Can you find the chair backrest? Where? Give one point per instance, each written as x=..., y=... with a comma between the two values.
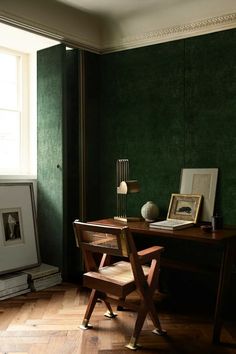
x=95, y=238
x=109, y=241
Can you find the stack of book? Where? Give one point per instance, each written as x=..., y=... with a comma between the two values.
x=171, y=224
x=13, y=284
x=44, y=276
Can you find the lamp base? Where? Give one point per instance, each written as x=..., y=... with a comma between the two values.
x=127, y=218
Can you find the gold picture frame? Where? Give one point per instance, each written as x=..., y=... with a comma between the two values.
x=184, y=207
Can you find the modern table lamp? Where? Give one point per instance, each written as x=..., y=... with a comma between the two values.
x=125, y=186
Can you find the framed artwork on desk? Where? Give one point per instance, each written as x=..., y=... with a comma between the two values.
x=201, y=181
x=184, y=207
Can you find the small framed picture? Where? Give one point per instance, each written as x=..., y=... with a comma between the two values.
x=18, y=232
x=184, y=207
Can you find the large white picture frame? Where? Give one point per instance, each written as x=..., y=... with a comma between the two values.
x=18, y=232
x=201, y=181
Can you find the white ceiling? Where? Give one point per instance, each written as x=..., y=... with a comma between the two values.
x=107, y=25
x=118, y=9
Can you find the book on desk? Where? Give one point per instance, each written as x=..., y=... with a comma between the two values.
x=171, y=224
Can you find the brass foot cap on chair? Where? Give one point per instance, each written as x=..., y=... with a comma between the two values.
x=133, y=346
x=110, y=314
x=85, y=325
x=159, y=332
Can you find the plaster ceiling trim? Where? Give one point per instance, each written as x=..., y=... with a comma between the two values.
x=196, y=28
x=77, y=40
x=208, y=25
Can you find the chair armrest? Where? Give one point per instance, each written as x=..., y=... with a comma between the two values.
x=150, y=253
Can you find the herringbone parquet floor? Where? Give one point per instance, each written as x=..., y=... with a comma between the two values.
x=47, y=322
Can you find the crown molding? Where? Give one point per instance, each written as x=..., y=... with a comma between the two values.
x=76, y=40
x=82, y=40
x=196, y=28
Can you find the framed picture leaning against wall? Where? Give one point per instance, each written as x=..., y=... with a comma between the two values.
x=18, y=231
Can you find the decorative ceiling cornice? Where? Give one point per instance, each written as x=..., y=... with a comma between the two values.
x=83, y=38
x=209, y=25
x=77, y=40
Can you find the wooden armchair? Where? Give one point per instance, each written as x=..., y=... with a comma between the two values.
x=112, y=281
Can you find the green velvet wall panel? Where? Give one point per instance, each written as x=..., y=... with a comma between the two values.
x=142, y=119
x=58, y=157
x=165, y=107
x=92, y=107
x=50, y=66
x=72, y=264
x=210, y=112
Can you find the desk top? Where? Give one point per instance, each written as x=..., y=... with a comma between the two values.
x=192, y=233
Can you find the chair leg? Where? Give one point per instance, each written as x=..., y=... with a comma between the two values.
x=155, y=319
x=142, y=313
x=147, y=307
x=91, y=304
x=109, y=313
x=147, y=298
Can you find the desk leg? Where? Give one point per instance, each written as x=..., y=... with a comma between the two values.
x=223, y=286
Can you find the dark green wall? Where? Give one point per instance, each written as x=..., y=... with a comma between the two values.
x=50, y=103
x=211, y=112
x=165, y=107
x=92, y=89
x=58, y=75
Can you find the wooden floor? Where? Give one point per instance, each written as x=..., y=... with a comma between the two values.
x=47, y=322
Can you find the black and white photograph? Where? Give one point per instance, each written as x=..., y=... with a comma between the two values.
x=12, y=225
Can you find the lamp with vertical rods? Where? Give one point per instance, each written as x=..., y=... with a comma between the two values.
x=125, y=186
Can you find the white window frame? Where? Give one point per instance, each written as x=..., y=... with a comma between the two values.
x=27, y=166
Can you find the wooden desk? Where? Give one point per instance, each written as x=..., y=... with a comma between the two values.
x=225, y=238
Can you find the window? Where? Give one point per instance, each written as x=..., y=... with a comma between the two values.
x=15, y=127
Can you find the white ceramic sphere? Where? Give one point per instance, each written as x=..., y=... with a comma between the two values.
x=150, y=211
